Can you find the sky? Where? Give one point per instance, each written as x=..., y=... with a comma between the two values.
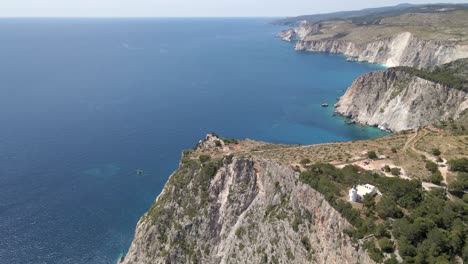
x=186, y=8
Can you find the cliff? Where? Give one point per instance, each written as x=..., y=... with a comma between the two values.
x=240, y=209
x=403, y=49
x=397, y=100
x=418, y=40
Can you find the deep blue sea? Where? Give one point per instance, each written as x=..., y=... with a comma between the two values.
x=86, y=102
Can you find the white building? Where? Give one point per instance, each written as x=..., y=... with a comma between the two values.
x=356, y=194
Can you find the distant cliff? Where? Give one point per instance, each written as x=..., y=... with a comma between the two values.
x=398, y=100
x=416, y=40
x=403, y=49
x=240, y=209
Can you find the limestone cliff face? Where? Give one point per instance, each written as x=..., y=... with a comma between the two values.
x=248, y=211
x=304, y=28
x=395, y=100
x=403, y=49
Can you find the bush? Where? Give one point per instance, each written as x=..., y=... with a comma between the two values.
x=204, y=158
x=304, y=162
x=394, y=150
x=458, y=165
x=386, y=245
x=369, y=201
x=436, y=152
x=387, y=168
x=372, y=155
x=431, y=166
x=395, y=171
x=436, y=177
x=387, y=207
x=392, y=260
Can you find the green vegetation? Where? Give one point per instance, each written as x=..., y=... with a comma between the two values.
x=426, y=227
x=204, y=158
x=431, y=166
x=452, y=74
x=229, y=141
x=436, y=152
x=459, y=165
x=460, y=184
x=437, y=177
x=372, y=155
x=386, y=245
x=395, y=171
x=304, y=162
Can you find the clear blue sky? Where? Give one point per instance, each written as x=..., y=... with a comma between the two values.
x=184, y=8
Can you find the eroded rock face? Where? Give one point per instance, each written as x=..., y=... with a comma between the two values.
x=304, y=28
x=403, y=49
x=255, y=211
x=395, y=100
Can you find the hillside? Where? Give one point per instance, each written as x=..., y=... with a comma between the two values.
x=370, y=15
x=404, y=98
x=419, y=40
x=253, y=202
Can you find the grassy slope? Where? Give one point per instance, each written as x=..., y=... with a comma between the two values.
x=453, y=74
x=441, y=26
x=369, y=15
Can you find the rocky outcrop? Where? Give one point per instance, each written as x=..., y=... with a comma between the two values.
x=395, y=100
x=403, y=49
x=246, y=211
x=304, y=28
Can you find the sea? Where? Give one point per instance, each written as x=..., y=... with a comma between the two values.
x=85, y=103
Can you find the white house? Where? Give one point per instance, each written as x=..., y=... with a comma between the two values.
x=356, y=194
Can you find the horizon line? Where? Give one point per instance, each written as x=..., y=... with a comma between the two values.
x=144, y=17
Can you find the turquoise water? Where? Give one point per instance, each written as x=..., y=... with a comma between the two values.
x=86, y=102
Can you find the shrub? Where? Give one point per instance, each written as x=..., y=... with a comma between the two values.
x=372, y=155
x=431, y=166
x=387, y=168
x=395, y=171
x=435, y=152
x=386, y=245
x=306, y=243
x=304, y=162
x=387, y=207
x=436, y=177
x=369, y=201
x=392, y=260
x=204, y=158
x=394, y=150
x=458, y=164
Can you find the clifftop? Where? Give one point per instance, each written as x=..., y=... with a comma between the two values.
x=410, y=39
x=245, y=201
x=405, y=98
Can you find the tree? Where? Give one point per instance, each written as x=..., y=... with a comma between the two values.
x=387, y=207
x=386, y=245
x=372, y=155
x=458, y=165
x=436, y=152
x=392, y=260
x=387, y=168
x=436, y=177
x=395, y=171
x=369, y=201
x=305, y=162
x=204, y=158
x=431, y=166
